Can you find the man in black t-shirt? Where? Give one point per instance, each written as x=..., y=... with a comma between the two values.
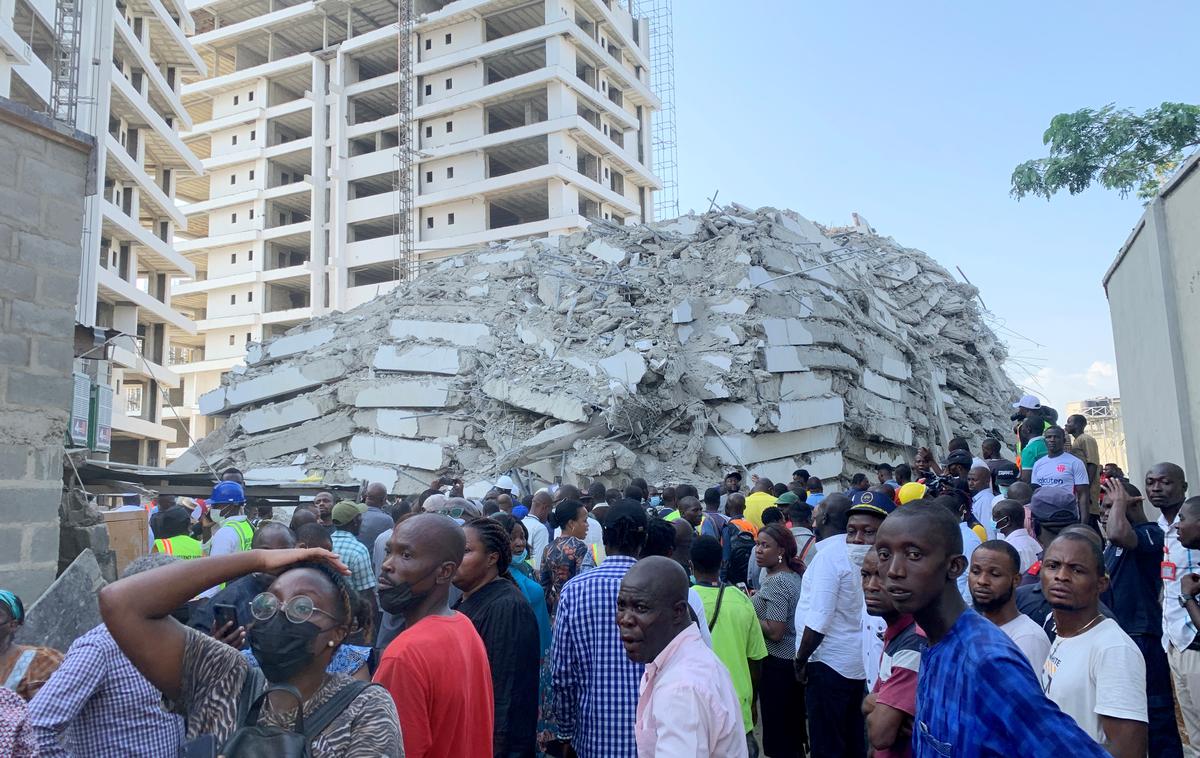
x=1004, y=471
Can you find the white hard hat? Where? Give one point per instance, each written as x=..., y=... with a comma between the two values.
x=505, y=482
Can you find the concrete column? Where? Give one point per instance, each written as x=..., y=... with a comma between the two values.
x=320, y=251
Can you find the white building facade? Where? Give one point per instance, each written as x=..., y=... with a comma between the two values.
x=134, y=56
x=529, y=118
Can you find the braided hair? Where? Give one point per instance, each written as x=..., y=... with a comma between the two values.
x=495, y=539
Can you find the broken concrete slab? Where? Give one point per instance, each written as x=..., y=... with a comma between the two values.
x=804, y=384
x=683, y=313
x=559, y=405
x=287, y=413
x=747, y=449
x=806, y=414
x=418, y=359
x=404, y=393
x=626, y=368
x=281, y=380
x=463, y=335
x=371, y=447
x=68, y=608
x=315, y=432
x=786, y=331
x=606, y=251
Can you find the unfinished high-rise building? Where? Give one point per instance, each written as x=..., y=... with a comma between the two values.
x=113, y=69
x=512, y=118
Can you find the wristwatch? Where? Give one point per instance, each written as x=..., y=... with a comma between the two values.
x=1185, y=599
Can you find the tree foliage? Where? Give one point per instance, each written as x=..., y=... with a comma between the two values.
x=1118, y=148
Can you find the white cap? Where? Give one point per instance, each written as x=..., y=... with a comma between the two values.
x=1029, y=402
x=505, y=482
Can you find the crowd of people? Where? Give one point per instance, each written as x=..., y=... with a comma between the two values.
x=972, y=605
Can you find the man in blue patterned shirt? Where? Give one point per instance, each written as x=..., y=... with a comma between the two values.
x=595, y=685
x=977, y=695
x=98, y=704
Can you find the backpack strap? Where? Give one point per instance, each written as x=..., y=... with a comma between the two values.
x=256, y=708
x=252, y=686
x=717, y=610
x=807, y=546
x=323, y=716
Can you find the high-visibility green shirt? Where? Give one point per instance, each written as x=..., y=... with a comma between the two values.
x=182, y=546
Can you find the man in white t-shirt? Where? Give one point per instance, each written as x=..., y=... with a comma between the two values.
x=993, y=577
x=1094, y=672
x=1061, y=469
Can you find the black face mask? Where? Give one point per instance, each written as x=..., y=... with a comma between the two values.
x=400, y=598
x=281, y=647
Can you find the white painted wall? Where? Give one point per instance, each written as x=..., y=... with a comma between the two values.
x=463, y=35
x=1156, y=330
x=469, y=216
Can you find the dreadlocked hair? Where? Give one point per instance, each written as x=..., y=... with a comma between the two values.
x=495, y=540
x=352, y=610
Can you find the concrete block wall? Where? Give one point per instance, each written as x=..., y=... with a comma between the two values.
x=43, y=180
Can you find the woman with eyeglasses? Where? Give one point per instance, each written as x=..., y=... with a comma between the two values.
x=299, y=622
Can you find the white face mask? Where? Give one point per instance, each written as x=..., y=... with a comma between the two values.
x=215, y=515
x=858, y=553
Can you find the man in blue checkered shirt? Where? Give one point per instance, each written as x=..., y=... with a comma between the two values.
x=98, y=704
x=595, y=685
x=977, y=695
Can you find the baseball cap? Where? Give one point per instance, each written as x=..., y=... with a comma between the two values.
x=734, y=475
x=345, y=511
x=520, y=512
x=1054, y=506
x=959, y=457
x=911, y=491
x=787, y=498
x=871, y=503
x=1029, y=402
x=1007, y=477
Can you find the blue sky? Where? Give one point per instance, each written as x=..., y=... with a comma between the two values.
x=914, y=114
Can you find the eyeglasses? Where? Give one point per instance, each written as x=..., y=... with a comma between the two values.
x=298, y=609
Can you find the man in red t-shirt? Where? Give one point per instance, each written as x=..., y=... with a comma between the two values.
x=437, y=668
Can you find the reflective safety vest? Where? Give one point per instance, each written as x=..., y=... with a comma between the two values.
x=181, y=547
x=245, y=532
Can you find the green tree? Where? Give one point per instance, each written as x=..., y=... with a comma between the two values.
x=1118, y=148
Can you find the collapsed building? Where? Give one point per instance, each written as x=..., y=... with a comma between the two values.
x=736, y=339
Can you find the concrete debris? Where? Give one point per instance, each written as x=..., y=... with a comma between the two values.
x=70, y=607
x=673, y=350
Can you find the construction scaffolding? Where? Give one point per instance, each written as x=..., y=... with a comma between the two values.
x=406, y=154
x=664, y=139
x=64, y=77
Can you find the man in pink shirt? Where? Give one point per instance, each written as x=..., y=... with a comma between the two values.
x=686, y=702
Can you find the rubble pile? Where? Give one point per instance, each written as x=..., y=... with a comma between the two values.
x=674, y=350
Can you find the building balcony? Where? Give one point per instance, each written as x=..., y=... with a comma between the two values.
x=204, y=244
x=134, y=363
x=153, y=200
x=169, y=37
x=136, y=427
x=116, y=290
x=129, y=104
x=119, y=225
x=133, y=46
x=277, y=21
x=207, y=88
